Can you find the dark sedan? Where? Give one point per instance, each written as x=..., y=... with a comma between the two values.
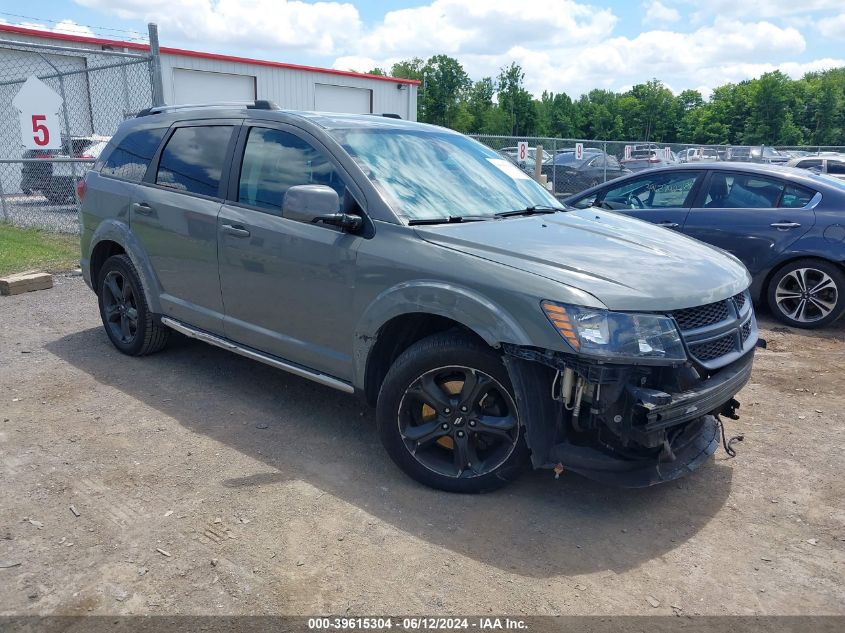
x=569, y=173
x=786, y=225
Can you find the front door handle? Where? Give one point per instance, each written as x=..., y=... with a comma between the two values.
x=784, y=225
x=142, y=208
x=668, y=224
x=235, y=230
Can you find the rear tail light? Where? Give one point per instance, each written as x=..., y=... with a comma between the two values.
x=81, y=189
x=85, y=156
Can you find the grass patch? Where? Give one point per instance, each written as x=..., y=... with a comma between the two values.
x=31, y=249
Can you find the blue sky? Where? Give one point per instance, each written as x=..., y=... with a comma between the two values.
x=563, y=45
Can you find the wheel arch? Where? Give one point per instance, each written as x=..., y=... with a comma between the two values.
x=406, y=313
x=113, y=237
x=763, y=290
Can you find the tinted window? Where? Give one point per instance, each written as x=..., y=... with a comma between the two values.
x=274, y=161
x=835, y=167
x=809, y=163
x=133, y=154
x=192, y=160
x=655, y=191
x=612, y=163
x=742, y=191
x=795, y=197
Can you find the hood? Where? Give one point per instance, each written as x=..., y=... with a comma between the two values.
x=625, y=263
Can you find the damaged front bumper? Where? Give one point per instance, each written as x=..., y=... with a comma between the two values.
x=630, y=426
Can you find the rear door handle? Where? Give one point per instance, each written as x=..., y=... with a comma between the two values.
x=142, y=208
x=235, y=230
x=784, y=225
x=668, y=224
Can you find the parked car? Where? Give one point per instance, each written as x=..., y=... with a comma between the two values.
x=784, y=224
x=647, y=159
x=417, y=268
x=530, y=160
x=570, y=174
x=55, y=180
x=832, y=165
x=698, y=154
x=756, y=154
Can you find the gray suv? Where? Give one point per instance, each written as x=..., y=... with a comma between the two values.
x=488, y=324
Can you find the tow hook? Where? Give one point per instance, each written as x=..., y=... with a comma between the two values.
x=558, y=469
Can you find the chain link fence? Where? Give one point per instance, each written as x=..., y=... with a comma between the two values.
x=99, y=89
x=567, y=173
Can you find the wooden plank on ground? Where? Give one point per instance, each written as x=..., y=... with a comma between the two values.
x=25, y=282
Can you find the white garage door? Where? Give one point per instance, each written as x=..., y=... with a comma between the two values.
x=200, y=86
x=328, y=98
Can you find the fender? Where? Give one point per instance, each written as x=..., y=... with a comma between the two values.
x=458, y=303
x=812, y=247
x=115, y=230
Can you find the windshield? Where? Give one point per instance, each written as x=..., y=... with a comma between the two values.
x=425, y=175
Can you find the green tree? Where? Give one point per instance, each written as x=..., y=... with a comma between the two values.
x=444, y=90
x=515, y=101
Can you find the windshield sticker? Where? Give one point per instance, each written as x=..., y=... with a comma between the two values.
x=509, y=168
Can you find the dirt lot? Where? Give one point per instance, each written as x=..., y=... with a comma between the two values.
x=206, y=483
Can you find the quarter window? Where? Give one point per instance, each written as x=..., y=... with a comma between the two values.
x=192, y=160
x=132, y=156
x=274, y=161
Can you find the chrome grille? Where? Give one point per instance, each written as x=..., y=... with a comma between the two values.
x=711, y=350
x=692, y=318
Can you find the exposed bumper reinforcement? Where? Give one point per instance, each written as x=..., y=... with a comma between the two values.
x=692, y=448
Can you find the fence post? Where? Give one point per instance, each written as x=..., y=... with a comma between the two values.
x=155, y=66
x=604, y=148
x=3, y=200
x=538, y=162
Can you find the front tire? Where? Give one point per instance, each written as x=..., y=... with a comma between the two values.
x=447, y=415
x=807, y=293
x=126, y=316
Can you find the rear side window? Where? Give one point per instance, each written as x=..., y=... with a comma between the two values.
x=810, y=163
x=795, y=197
x=192, y=160
x=274, y=161
x=835, y=167
x=133, y=154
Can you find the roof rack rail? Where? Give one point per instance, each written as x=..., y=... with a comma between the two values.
x=388, y=115
x=258, y=104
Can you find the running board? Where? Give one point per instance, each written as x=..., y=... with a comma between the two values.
x=226, y=344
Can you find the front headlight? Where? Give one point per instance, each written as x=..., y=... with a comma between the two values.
x=616, y=335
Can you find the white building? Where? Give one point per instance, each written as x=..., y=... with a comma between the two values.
x=195, y=77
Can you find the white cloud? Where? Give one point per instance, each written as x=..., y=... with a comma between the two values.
x=562, y=45
x=656, y=11
x=65, y=26
x=832, y=27
x=319, y=28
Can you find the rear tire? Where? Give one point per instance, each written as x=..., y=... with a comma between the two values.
x=447, y=415
x=126, y=316
x=807, y=293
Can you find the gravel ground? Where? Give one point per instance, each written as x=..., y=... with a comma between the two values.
x=209, y=484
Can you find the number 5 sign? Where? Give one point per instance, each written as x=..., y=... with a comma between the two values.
x=39, y=106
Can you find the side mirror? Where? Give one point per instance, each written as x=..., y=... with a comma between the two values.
x=317, y=204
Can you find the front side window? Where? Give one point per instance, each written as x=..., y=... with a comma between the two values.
x=274, y=161
x=192, y=161
x=132, y=156
x=810, y=163
x=656, y=191
x=433, y=175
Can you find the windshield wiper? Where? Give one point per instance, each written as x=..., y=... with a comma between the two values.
x=452, y=219
x=534, y=210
